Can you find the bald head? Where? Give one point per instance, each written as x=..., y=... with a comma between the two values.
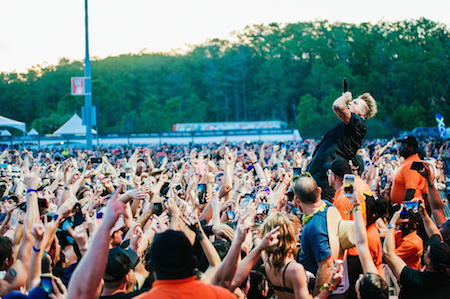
x=306, y=190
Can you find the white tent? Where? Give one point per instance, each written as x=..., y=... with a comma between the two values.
x=33, y=132
x=73, y=126
x=5, y=133
x=11, y=123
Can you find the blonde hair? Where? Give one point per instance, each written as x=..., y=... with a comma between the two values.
x=277, y=254
x=370, y=101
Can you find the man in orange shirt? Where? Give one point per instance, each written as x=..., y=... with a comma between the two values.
x=172, y=261
x=408, y=244
x=376, y=208
x=408, y=183
x=336, y=171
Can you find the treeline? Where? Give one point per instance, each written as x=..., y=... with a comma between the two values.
x=290, y=73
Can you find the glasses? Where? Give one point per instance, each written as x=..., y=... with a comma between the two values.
x=329, y=172
x=304, y=174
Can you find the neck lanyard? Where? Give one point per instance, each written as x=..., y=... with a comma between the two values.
x=306, y=218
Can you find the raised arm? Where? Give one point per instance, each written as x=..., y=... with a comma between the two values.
x=247, y=264
x=394, y=261
x=362, y=244
x=89, y=272
x=340, y=107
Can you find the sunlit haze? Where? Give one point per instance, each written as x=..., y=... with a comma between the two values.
x=42, y=32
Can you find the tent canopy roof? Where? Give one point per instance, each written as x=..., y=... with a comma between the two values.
x=73, y=126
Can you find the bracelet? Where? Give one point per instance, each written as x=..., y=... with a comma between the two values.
x=254, y=162
x=35, y=249
x=11, y=228
x=20, y=222
x=327, y=286
x=238, y=191
x=287, y=184
x=66, y=188
x=390, y=225
x=31, y=190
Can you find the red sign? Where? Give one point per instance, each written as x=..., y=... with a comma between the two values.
x=78, y=86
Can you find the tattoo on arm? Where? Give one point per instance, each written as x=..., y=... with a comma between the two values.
x=12, y=273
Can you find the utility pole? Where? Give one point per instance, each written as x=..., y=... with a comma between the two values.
x=88, y=96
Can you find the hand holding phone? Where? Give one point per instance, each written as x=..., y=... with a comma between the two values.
x=344, y=83
x=349, y=185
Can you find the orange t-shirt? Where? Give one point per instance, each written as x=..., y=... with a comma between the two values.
x=374, y=240
x=409, y=248
x=185, y=288
x=345, y=207
x=407, y=178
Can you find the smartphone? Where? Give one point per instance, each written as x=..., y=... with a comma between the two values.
x=261, y=212
x=349, y=185
x=383, y=181
x=344, y=83
x=201, y=167
x=411, y=206
x=96, y=160
x=46, y=283
x=230, y=215
x=201, y=188
x=122, y=175
x=178, y=188
x=417, y=165
x=297, y=171
x=158, y=208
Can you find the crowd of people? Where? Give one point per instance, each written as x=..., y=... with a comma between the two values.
x=245, y=220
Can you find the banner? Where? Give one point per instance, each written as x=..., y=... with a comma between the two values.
x=441, y=125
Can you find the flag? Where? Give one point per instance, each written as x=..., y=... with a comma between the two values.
x=441, y=125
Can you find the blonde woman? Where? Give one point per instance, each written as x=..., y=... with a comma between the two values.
x=287, y=276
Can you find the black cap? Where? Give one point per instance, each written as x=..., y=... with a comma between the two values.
x=377, y=204
x=171, y=254
x=439, y=252
x=358, y=161
x=410, y=141
x=119, y=264
x=339, y=167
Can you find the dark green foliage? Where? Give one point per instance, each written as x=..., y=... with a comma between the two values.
x=290, y=73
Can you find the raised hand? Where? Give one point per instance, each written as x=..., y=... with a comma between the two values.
x=270, y=239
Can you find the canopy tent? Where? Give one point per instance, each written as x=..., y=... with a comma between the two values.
x=11, y=123
x=72, y=127
x=33, y=132
x=5, y=133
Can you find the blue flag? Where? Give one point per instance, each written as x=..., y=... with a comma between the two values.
x=441, y=125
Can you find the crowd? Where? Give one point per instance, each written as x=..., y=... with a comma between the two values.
x=246, y=220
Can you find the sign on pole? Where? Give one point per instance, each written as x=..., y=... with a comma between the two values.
x=78, y=86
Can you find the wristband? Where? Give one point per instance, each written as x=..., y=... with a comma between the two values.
x=238, y=191
x=35, y=249
x=327, y=286
x=66, y=188
x=390, y=225
x=31, y=190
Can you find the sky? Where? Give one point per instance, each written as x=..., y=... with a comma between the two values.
x=40, y=32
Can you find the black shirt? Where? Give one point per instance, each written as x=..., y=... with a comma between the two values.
x=416, y=284
x=125, y=296
x=341, y=141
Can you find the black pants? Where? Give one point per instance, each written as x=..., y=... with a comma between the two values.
x=322, y=181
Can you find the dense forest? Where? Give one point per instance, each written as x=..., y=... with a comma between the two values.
x=268, y=72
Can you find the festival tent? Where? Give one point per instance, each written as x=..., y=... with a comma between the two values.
x=33, y=132
x=5, y=133
x=11, y=123
x=73, y=126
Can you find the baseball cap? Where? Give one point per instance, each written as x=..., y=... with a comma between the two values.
x=376, y=203
x=439, y=252
x=339, y=167
x=171, y=254
x=119, y=263
x=410, y=141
